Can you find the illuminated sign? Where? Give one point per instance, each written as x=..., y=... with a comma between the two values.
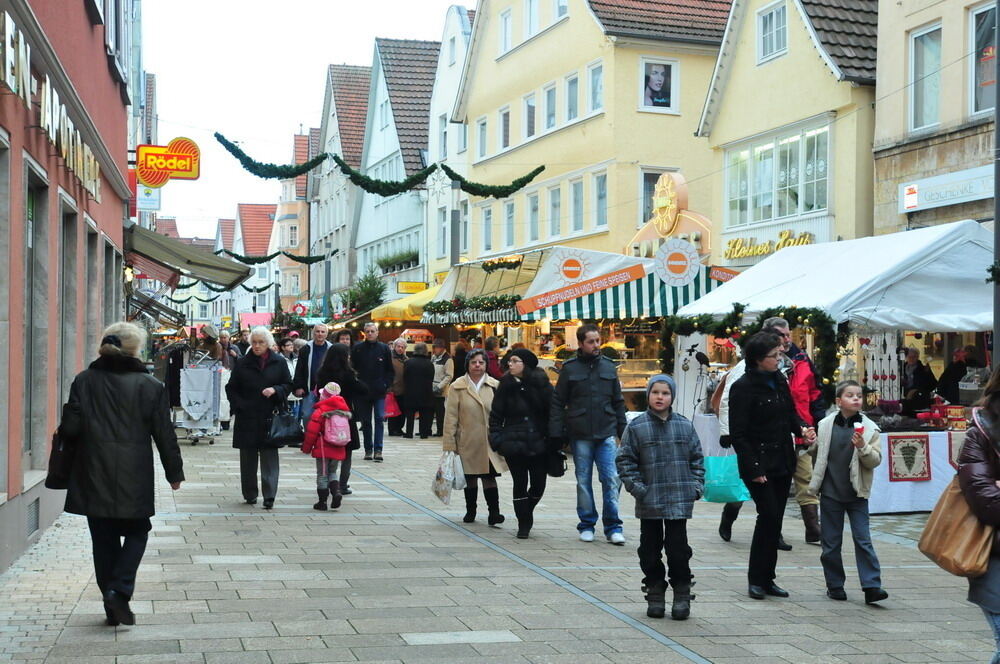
x=410, y=287
x=677, y=263
x=156, y=164
x=750, y=248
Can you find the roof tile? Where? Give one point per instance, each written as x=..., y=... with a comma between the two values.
x=409, y=67
x=848, y=32
x=301, y=156
x=701, y=21
x=167, y=226
x=256, y=221
x=350, y=86
x=228, y=228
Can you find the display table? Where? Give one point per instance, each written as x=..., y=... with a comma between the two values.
x=916, y=467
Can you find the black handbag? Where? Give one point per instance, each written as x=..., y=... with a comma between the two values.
x=285, y=428
x=555, y=464
x=61, y=460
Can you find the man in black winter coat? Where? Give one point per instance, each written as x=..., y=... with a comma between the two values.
x=588, y=411
x=418, y=378
x=372, y=359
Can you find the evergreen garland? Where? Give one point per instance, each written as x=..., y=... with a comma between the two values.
x=994, y=272
x=186, y=286
x=259, y=289
x=269, y=171
x=195, y=297
x=383, y=187
x=478, y=303
x=257, y=260
x=215, y=289
x=496, y=191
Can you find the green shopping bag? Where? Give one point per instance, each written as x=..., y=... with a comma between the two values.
x=722, y=480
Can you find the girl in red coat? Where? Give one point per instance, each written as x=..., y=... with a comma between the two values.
x=328, y=455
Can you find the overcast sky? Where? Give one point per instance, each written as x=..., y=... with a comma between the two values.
x=255, y=71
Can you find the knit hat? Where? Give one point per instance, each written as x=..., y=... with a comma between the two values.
x=661, y=378
x=526, y=356
x=331, y=389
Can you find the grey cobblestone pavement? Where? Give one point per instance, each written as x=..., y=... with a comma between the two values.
x=394, y=576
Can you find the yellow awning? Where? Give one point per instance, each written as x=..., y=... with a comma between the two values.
x=410, y=307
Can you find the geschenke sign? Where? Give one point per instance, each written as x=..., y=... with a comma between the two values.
x=750, y=248
x=973, y=184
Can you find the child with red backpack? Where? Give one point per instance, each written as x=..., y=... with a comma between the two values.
x=328, y=434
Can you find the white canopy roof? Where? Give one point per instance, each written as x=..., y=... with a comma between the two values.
x=932, y=280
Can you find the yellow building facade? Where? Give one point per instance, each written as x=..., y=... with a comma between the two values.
x=605, y=100
x=789, y=119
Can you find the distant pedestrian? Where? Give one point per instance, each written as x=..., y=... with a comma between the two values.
x=372, y=359
x=230, y=352
x=309, y=361
x=461, y=350
x=661, y=464
x=519, y=431
x=398, y=388
x=418, y=377
x=286, y=347
x=337, y=368
x=244, y=342
x=115, y=407
x=444, y=374
x=492, y=346
x=328, y=451
x=588, y=411
x=344, y=336
x=466, y=432
x=847, y=453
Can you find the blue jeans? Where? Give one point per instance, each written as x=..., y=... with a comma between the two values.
x=585, y=454
x=994, y=621
x=306, y=406
x=832, y=535
x=368, y=409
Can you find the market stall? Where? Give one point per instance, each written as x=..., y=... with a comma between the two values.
x=931, y=280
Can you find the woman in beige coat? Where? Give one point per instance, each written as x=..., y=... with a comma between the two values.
x=466, y=432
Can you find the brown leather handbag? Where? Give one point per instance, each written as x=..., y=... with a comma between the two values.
x=954, y=537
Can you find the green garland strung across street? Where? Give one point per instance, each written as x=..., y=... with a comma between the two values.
x=186, y=286
x=269, y=171
x=195, y=297
x=496, y=191
x=257, y=260
x=259, y=289
x=383, y=187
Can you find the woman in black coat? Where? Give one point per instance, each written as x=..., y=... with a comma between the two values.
x=115, y=407
x=518, y=422
x=260, y=383
x=337, y=368
x=418, y=384
x=762, y=423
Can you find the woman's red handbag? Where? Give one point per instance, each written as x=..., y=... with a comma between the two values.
x=392, y=408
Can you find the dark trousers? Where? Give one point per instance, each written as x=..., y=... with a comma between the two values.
x=395, y=424
x=668, y=536
x=116, y=562
x=345, y=469
x=770, y=498
x=528, y=475
x=832, y=526
x=426, y=420
x=268, y=472
x=371, y=414
x=438, y=416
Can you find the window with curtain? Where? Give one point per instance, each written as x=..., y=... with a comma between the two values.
x=555, y=211
x=572, y=98
x=925, y=78
x=508, y=223
x=772, y=32
x=601, y=200
x=984, y=23
x=533, y=217
x=576, y=193
x=487, y=229
x=596, y=97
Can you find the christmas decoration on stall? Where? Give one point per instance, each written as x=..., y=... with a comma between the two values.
x=727, y=327
x=383, y=187
x=269, y=171
x=502, y=263
x=496, y=191
x=477, y=303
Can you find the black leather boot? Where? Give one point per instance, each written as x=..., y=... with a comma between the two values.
x=681, y=608
x=335, y=496
x=493, y=504
x=471, y=497
x=522, y=509
x=323, y=495
x=656, y=602
x=729, y=513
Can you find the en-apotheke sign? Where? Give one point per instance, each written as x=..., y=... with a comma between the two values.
x=973, y=184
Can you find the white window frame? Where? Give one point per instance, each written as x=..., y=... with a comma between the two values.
x=506, y=31
x=262, y=300
x=759, y=36
x=643, y=199
x=383, y=110
x=463, y=137
x=463, y=220
x=556, y=6
x=591, y=107
x=533, y=203
x=912, y=111
x=530, y=117
x=973, y=13
x=451, y=51
x=573, y=77
x=509, y=223
x=486, y=214
x=443, y=137
x=442, y=234
x=550, y=106
x=576, y=209
x=531, y=19
x=503, y=112
x=293, y=235
x=482, y=144
x=555, y=220
x=675, y=85
x=296, y=283
x=595, y=194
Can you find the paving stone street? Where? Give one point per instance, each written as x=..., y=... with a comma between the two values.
x=395, y=576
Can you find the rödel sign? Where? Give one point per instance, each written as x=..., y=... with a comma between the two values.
x=180, y=159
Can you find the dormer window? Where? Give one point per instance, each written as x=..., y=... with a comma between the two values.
x=772, y=32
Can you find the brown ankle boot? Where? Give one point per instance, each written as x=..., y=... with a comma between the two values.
x=810, y=517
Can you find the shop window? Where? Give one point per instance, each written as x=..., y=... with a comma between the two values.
x=533, y=217
x=555, y=211
x=772, y=32
x=983, y=77
x=925, y=77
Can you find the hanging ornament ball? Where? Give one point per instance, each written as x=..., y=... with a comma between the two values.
x=839, y=355
x=806, y=321
x=781, y=315
x=729, y=330
x=826, y=381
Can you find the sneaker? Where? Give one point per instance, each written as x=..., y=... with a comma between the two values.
x=368, y=456
x=378, y=456
x=617, y=539
x=586, y=535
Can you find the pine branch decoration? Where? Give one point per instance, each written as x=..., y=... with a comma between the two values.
x=383, y=187
x=269, y=171
x=496, y=191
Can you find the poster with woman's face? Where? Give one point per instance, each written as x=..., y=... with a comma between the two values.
x=656, y=82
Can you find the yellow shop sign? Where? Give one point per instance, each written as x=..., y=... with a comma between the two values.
x=750, y=248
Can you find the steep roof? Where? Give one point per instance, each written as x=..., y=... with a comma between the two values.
x=204, y=244
x=409, y=67
x=701, y=21
x=256, y=220
x=228, y=229
x=167, y=226
x=315, y=138
x=847, y=30
x=350, y=86
x=301, y=156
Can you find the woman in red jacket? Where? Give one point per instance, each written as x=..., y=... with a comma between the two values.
x=328, y=455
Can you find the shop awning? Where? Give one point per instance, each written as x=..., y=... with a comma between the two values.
x=410, y=307
x=165, y=259
x=931, y=280
x=140, y=303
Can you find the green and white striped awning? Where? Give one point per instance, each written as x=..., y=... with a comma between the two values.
x=646, y=297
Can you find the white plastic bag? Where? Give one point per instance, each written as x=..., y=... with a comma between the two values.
x=444, y=478
x=459, y=482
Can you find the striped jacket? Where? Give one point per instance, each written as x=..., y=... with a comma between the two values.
x=662, y=466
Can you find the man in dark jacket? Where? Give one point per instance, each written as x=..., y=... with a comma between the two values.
x=418, y=378
x=307, y=369
x=588, y=410
x=372, y=359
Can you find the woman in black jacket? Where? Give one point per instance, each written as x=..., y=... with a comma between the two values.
x=260, y=383
x=418, y=383
x=518, y=422
x=337, y=368
x=114, y=408
x=762, y=423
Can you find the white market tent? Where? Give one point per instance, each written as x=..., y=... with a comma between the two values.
x=932, y=279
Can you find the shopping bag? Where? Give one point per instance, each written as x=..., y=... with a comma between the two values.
x=392, y=406
x=444, y=478
x=722, y=480
x=954, y=538
x=458, y=483
x=60, y=461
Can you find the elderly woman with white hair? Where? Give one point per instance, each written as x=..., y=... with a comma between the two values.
x=260, y=383
x=115, y=408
